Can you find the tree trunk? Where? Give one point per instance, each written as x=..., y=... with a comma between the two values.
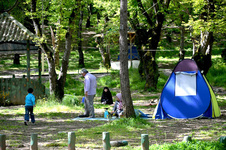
x=64, y=67
x=104, y=54
x=182, y=51
x=16, y=60
x=223, y=55
x=124, y=73
x=148, y=67
x=57, y=48
x=203, y=55
x=151, y=71
x=141, y=38
x=90, y=6
x=46, y=50
x=81, y=56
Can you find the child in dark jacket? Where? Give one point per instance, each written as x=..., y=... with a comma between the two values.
x=29, y=105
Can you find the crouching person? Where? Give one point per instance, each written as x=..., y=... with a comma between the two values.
x=118, y=107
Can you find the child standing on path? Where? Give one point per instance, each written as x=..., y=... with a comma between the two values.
x=29, y=105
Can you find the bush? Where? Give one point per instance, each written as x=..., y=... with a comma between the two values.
x=70, y=100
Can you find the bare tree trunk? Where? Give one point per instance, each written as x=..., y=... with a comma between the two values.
x=11, y=8
x=81, y=56
x=150, y=65
x=16, y=59
x=203, y=55
x=57, y=48
x=124, y=73
x=90, y=7
x=182, y=51
x=141, y=39
x=104, y=54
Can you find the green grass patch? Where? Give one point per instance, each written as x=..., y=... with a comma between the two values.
x=194, y=145
x=122, y=128
x=51, y=106
x=217, y=73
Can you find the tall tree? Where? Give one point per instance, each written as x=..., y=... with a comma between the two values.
x=203, y=52
x=148, y=67
x=205, y=20
x=79, y=35
x=124, y=73
x=57, y=82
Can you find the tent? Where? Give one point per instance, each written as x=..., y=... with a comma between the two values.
x=187, y=94
x=132, y=53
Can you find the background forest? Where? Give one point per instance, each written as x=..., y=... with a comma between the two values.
x=192, y=29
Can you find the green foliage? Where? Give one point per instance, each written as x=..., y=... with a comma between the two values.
x=216, y=74
x=136, y=83
x=162, y=81
x=74, y=86
x=2, y=62
x=213, y=21
x=70, y=100
x=194, y=145
x=111, y=81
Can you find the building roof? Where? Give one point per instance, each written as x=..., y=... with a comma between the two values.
x=13, y=30
x=14, y=36
x=17, y=47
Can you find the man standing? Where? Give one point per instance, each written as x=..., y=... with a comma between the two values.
x=90, y=86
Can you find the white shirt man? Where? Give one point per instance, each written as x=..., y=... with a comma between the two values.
x=90, y=86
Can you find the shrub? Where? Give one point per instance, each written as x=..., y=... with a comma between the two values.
x=70, y=100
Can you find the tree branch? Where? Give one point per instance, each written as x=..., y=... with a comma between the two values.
x=144, y=12
x=10, y=9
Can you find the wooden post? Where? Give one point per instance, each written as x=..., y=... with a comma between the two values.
x=34, y=142
x=106, y=141
x=2, y=142
x=28, y=64
x=71, y=140
x=144, y=142
x=187, y=139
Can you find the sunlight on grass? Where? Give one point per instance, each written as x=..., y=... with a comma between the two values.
x=122, y=129
x=56, y=108
x=14, y=111
x=221, y=99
